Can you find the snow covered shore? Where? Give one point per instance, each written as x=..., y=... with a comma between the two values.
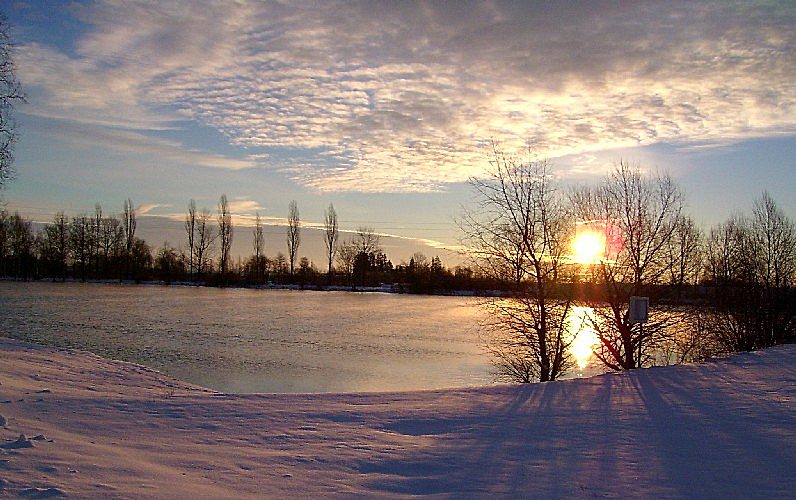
x=101, y=428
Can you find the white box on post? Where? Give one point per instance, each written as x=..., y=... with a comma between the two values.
x=639, y=309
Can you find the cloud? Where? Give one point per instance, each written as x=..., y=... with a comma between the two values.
x=399, y=96
x=127, y=141
x=79, y=89
x=243, y=207
x=145, y=209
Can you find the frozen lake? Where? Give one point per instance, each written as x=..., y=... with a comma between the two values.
x=242, y=341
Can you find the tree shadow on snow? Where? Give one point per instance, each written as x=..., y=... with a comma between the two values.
x=727, y=442
x=526, y=447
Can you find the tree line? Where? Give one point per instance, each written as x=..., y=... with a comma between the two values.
x=81, y=247
x=740, y=273
x=101, y=246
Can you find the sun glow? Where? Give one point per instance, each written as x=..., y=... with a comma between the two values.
x=588, y=247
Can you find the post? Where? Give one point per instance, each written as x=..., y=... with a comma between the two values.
x=638, y=312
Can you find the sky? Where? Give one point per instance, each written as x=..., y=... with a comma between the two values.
x=386, y=109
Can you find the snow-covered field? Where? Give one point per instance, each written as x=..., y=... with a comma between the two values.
x=99, y=428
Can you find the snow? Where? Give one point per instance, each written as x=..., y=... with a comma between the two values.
x=103, y=428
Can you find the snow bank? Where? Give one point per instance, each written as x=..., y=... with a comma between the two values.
x=112, y=429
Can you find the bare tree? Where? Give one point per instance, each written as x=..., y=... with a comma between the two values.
x=224, y=233
x=55, y=241
x=4, y=230
x=640, y=215
x=204, y=239
x=10, y=92
x=519, y=232
x=129, y=223
x=367, y=245
x=258, y=244
x=418, y=260
x=21, y=245
x=774, y=244
x=735, y=319
x=293, y=234
x=330, y=237
x=96, y=238
x=685, y=252
x=112, y=242
x=725, y=252
x=751, y=263
x=80, y=243
x=366, y=241
x=190, y=230
x=346, y=257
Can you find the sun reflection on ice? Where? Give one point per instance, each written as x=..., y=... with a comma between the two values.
x=580, y=327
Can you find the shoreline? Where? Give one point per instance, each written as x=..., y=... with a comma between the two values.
x=391, y=288
x=103, y=428
x=384, y=288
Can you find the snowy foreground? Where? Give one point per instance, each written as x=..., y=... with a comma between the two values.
x=99, y=428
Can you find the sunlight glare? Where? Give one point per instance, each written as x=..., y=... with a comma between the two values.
x=588, y=247
x=585, y=337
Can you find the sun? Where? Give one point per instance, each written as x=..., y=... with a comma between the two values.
x=588, y=247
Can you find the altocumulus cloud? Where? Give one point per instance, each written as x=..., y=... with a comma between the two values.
x=400, y=96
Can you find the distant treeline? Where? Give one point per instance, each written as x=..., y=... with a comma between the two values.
x=714, y=269
x=103, y=246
